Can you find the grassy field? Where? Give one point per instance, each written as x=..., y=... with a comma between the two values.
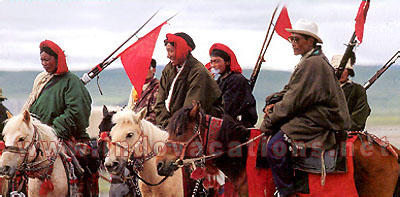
x=383, y=96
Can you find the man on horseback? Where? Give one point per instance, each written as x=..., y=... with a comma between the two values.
x=3, y=114
x=310, y=109
x=60, y=100
x=149, y=95
x=183, y=80
x=356, y=96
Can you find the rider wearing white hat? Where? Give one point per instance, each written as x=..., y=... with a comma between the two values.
x=356, y=96
x=305, y=27
x=311, y=109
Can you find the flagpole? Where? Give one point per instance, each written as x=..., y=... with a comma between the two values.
x=346, y=56
x=358, y=32
x=260, y=60
x=97, y=69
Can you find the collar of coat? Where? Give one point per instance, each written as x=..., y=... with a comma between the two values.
x=313, y=52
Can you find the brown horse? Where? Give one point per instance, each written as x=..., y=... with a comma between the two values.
x=189, y=122
x=376, y=168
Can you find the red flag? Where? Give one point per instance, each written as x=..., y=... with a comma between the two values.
x=360, y=19
x=137, y=58
x=282, y=23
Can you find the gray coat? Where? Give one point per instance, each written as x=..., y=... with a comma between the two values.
x=313, y=105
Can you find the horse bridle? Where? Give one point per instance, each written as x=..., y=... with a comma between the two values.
x=30, y=166
x=196, y=134
x=131, y=161
x=25, y=151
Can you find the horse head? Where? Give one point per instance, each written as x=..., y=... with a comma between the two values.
x=21, y=136
x=124, y=135
x=106, y=123
x=184, y=139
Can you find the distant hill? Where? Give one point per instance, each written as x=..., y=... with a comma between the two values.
x=383, y=96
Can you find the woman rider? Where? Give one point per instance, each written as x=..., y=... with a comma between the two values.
x=239, y=100
x=60, y=100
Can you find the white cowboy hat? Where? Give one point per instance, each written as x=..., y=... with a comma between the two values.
x=305, y=27
x=336, y=62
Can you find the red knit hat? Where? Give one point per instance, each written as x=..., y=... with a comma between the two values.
x=61, y=62
x=181, y=46
x=235, y=67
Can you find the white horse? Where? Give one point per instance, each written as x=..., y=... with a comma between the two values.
x=30, y=143
x=134, y=135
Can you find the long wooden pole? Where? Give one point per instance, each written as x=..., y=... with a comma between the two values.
x=260, y=60
x=97, y=69
x=382, y=70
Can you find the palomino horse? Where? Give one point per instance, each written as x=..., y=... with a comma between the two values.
x=133, y=138
x=29, y=149
x=375, y=169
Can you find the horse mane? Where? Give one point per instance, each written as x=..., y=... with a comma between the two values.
x=47, y=133
x=128, y=116
x=231, y=130
x=180, y=119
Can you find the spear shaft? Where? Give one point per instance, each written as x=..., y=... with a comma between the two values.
x=260, y=60
x=97, y=69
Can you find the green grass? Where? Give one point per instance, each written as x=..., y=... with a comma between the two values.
x=383, y=96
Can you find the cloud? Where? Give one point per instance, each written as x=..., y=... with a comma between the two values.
x=90, y=30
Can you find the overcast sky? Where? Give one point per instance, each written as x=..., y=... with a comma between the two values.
x=89, y=30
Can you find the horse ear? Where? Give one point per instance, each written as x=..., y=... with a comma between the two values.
x=142, y=113
x=27, y=117
x=9, y=115
x=195, y=109
x=105, y=111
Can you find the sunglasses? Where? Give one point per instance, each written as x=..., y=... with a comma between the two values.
x=295, y=39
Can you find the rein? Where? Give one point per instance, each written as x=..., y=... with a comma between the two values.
x=31, y=166
x=32, y=169
x=180, y=162
x=138, y=165
x=215, y=155
x=196, y=134
x=25, y=151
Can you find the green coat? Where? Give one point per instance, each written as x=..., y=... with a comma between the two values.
x=193, y=83
x=313, y=105
x=357, y=103
x=65, y=105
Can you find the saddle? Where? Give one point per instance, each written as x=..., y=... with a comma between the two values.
x=83, y=164
x=310, y=160
x=314, y=160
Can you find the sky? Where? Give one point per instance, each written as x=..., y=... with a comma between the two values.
x=89, y=30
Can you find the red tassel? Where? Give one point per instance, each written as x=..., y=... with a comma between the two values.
x=104, y=136
x=46, y=186
x=198, y=173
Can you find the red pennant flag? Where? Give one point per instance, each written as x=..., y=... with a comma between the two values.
x=136, y=58
x=282, y=23
x=360, y=19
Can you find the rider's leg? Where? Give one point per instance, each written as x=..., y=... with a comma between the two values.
x=278, y=156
